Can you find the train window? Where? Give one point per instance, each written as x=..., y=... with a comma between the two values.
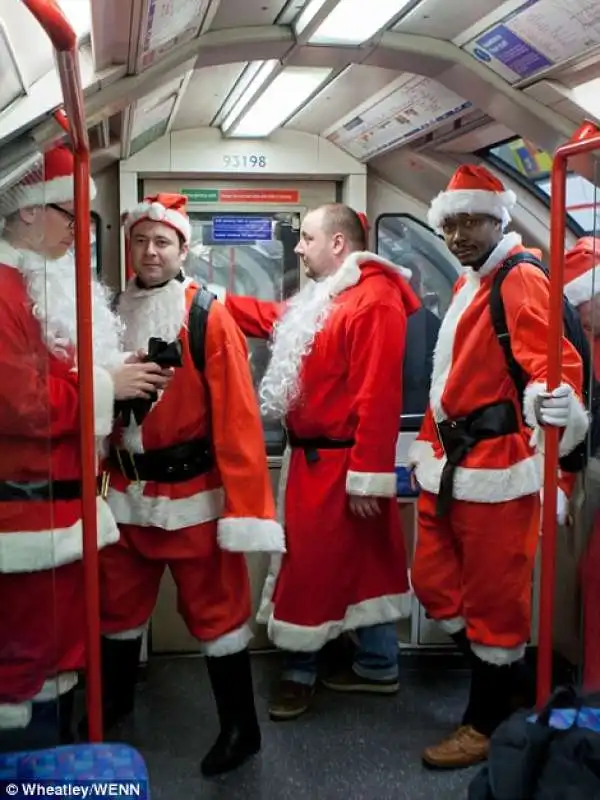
x=531, y=166
x=96, y=234
x=248, y=254
x=404, y=240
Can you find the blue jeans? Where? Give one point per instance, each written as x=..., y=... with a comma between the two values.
x=375, y=659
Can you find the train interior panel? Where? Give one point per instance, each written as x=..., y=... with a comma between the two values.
x=256, y=113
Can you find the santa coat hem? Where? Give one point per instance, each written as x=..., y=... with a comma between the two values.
x=34, y=551
x=311, y=638
x=133, y=507
x=18, y=715
x=481, y=485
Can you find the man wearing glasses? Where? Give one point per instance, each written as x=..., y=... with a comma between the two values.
x=41, y=574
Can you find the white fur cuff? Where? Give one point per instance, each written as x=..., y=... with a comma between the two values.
x=577, y=426
x=371, y=484
x=104, y=398
x=250, y=535
x=14, y=715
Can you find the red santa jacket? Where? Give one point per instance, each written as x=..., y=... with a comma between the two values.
x=470, y=371
x=352, y=379
x=39, y=434
x=223, y=408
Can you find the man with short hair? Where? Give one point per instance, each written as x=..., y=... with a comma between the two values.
x=335, y=377
x=477, y=457
x=42, y=623
x=190, y=487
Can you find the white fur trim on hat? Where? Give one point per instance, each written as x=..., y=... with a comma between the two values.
x=471, y=201
x=582, y=289
x=57, y=190
x=158, y=213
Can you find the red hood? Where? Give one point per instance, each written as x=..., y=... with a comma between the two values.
x=371, y=264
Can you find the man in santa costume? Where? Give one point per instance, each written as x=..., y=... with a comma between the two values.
x=190, y=488
x=42, y=625
x=478, y=460
x=335, y=377
x=582, y=287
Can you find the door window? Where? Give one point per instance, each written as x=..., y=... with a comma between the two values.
x=405, y=241
x=248, y=254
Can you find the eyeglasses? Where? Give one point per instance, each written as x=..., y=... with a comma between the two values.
x=70, y=217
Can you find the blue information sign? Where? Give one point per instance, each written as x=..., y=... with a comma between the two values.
x=236, y=229
x=509, y=49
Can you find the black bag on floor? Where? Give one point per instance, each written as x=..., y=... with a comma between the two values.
x=551, y=756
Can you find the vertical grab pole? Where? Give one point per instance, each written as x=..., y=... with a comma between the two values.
x=56, y=25
x=551, y=434
x=585, y=140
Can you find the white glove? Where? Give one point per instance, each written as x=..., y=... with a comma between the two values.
x=562, y=506
x=553, y=408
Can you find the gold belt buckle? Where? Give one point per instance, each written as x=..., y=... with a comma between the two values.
x=104, y=486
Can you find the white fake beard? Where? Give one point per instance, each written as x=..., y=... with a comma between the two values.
x=293, y=338
x=52, y=289
x=152, y=312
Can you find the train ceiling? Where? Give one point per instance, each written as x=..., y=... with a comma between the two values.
x=406, y=72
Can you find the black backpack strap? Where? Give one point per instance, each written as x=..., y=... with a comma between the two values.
x=198, y=320
x=499, y=317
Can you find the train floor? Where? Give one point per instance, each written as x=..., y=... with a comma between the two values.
x=347, y=747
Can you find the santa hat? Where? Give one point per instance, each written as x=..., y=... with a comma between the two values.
x=472, y=190
x=53, y=183
x=582, y=271
x=170, y=209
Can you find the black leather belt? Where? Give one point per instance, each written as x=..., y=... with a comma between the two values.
x=312, y=446
x=181, y=462
x=459, y=437
x=17, y=491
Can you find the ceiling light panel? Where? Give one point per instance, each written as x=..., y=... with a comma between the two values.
x=348, y=24
x=289, y=91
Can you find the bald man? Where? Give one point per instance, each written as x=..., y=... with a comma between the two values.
x=335, y=380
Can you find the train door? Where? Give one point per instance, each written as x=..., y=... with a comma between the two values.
x=403, y=239
x=248, y=249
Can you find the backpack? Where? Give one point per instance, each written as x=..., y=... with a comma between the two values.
x=551, y=755
x=198, y=320
x=575, y=461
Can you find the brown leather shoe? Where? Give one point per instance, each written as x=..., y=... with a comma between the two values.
x=464, y=748
x=290, y=700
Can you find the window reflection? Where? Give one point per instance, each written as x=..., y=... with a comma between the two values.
x=405, y=241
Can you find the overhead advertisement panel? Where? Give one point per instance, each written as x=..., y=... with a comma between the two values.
x=538, y=35
x=169, y=23
x=403, y=111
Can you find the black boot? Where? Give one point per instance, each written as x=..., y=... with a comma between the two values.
x=231, y=681
x=490, y=696
x=463, y=644
x=120, y=659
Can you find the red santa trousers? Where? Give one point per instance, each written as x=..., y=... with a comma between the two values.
x=473, y=568
x=42, y=629
x=212, y=584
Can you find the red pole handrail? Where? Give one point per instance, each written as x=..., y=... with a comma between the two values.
x=558, y=219
x=64, y=40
